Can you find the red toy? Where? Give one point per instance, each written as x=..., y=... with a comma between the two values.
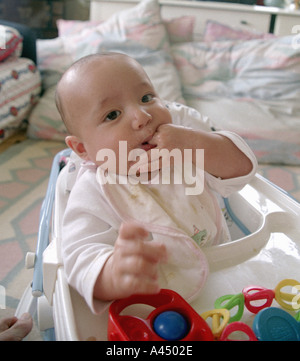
x=131, y=328
x=237, y=326
x=255, y=293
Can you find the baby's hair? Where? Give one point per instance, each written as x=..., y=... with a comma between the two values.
x=77, y=65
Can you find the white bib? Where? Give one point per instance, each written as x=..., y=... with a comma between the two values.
x=155, y=207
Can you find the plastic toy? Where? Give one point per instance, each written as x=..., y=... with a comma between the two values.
x=232, y=301
x=155, y=327
x=268, y=323
x=175, y=320
x=289, y=301
x=237, y=326
x=171, y=326
x=220, y=319
x=254, y=293
x=275, y=324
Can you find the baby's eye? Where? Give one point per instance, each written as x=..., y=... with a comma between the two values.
x=147, y=98
x=113, y=115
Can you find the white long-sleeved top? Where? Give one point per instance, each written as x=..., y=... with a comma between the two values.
x=184, y=223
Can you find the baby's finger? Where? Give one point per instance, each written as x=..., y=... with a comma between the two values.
x=140, y=285
x=7, y=322
x=18, y=330
x=138, y=266
x=132, y=231
x=152, y=251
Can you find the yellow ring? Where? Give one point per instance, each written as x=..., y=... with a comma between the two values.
x=282, y=297
x=216, y=316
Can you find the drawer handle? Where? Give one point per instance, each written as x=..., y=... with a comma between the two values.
x=244, y=22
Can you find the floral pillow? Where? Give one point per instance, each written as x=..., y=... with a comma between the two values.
x=215, y=31
x=52, y=60
x=10, y=42
x=73, y=27
x=255, y=83
x=179, y=29
x=142, y=24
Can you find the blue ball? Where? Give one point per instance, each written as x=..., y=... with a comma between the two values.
x=171, y=326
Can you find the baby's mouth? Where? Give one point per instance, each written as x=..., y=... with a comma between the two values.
x=147, y=146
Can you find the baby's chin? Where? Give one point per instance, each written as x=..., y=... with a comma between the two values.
x=146, y=177
x=144, y=167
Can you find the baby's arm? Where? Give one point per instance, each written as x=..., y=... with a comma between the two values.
x=222, y=158
x=132, y=267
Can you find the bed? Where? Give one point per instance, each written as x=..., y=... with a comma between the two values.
x=245, y=80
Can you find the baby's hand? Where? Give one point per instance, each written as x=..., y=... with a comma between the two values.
x=133, y=266
x=167, y=137
x=170, y=136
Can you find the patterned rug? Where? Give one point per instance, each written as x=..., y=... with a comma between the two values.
x=285, y=177
x=25, y=169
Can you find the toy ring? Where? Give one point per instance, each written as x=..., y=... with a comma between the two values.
x=255, y=293
x=233, y=300
x=237, y=326
x=275, y=324
x=289, y=301
x=216, y=316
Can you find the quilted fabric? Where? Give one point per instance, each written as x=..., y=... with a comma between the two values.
x=10, y=42
x=20, y=88
x=256, y=83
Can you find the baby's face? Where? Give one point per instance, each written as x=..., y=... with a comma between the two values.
x=115, y=101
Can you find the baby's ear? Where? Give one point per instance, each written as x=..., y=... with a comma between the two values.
x=77, y=146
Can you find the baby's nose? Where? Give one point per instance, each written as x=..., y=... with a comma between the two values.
x=140, y=118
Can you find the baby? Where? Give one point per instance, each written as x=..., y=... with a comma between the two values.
x=121, y=238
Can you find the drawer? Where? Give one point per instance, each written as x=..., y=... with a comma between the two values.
x=286, y=24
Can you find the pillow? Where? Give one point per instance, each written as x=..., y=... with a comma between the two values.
x=20, y=86
x=204, y=68
x=215, y=31
x=45, y=121
x=73, y=27
x=255, y=83
x=138, y=31
x=10, y=42
x=266, y=69
x=179, y=29
x=142, y=23
x=52, y=60
x=273, y=137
